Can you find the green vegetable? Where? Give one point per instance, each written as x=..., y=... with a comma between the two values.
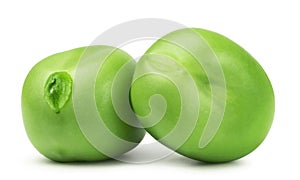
x=52, y=94
x=203, y=96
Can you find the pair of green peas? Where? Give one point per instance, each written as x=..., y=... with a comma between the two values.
x=195, y=91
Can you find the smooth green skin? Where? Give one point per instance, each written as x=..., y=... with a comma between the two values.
x=51, y=126
x=249, y=99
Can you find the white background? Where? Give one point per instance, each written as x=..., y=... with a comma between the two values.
x=269, y=30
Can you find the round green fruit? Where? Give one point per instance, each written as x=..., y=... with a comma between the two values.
x=54, y=97
x=202, y=95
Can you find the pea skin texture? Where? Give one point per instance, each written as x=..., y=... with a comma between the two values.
x=203, y=96
x=49, y=112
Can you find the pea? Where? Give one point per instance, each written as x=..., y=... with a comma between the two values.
x=57, y=113
x=202, y=95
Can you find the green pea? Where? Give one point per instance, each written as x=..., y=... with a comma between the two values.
x=203, y=96
x=57, y=113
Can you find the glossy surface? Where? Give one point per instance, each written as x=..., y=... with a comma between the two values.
x=48, y=106
x=234, y=100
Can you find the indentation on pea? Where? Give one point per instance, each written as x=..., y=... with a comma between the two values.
x=58, y=89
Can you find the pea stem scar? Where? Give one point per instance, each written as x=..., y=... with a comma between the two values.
x=57, y=90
